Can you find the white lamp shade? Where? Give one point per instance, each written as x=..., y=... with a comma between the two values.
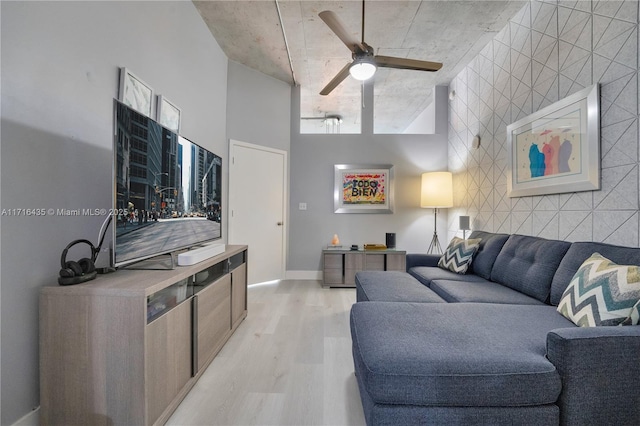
x=437, y=190
x=362, y=70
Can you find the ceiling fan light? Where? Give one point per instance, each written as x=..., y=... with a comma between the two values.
x=362, y=70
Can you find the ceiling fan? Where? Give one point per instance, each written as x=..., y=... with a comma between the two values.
x=365, y=62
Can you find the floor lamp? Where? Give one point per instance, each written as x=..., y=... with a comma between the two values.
x=437, y=193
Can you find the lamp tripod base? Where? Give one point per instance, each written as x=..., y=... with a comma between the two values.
x=434, y=247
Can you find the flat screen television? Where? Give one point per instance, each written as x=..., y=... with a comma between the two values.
x=167, y=190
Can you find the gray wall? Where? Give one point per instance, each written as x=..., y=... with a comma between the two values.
x=59, y=77
x=311, y=181
x=547, y=52
x=258, y=108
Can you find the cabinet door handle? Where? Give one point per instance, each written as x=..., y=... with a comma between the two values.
x=280, y=224
x=194, y=336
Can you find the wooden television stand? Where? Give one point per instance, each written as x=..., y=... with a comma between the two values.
x=126, y=348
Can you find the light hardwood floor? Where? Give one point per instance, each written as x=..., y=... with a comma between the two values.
x=288, y=363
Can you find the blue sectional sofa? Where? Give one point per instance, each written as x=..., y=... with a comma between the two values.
x=432, y=346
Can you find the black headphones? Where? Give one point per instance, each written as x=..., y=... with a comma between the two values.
x=77, y=272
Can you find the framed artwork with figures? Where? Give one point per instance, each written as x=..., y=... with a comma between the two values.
x=556, y=149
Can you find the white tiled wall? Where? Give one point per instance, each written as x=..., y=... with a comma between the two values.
x=548, y=51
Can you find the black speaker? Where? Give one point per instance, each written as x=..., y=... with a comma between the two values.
x=390, y=240
x=83, y=270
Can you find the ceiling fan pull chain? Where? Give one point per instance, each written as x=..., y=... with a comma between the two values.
x=362, y=95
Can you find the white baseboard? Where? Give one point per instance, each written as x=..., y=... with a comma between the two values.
x=303, y=275
x=31, y=419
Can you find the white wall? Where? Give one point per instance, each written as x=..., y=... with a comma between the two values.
x=59, y=76
x=425, y=122
x=434, y=119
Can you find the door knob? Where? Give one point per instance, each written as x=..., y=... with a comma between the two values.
x=280, y=223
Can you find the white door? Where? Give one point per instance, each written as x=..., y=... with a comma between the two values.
x=257, y=201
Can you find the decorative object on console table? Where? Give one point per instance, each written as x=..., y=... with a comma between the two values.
x=373, y=246
x=335, y=243
x=363, y=188
x=390, y=240
x=464, y=226
x=135, y=93
x=556, y=149
x=437, y=193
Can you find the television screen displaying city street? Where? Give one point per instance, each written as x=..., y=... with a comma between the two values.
x=168, y=189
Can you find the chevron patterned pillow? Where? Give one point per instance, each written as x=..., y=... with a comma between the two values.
x=602, y=293
x=459, y=254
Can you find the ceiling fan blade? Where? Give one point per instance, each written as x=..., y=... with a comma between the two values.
x=407, y=64
x=333, y=22
x=344, y=73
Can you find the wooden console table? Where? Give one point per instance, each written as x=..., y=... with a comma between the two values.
x=340, y=266
x=126, y=348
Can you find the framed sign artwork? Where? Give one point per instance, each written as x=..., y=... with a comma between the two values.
x=363, y=188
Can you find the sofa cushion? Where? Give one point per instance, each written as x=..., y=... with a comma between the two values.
x=602, y=293
x=480, y=292
x=578, y=253
x=392, y=286
x=490, y=246
x=455, y=354
x=401, y=415
x=426, y=274
x=528, y=264
x=459, y=255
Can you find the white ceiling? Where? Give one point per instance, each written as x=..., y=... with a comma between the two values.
x=451, y=32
